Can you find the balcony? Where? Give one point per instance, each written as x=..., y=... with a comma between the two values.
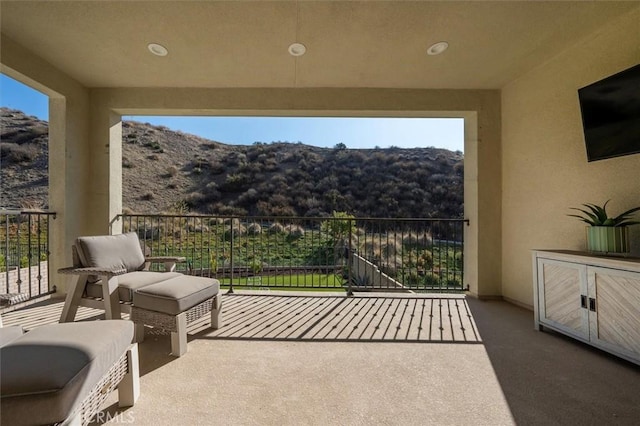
x=325, y=358
x=523, y=161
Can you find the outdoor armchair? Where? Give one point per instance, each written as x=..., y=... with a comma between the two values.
x=112, y=272
x=109, y=269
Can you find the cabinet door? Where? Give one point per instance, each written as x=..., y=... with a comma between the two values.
x=615, y=323
x=560, y=287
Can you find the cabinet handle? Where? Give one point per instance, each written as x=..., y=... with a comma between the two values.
x=592, y=304
x=583, y=301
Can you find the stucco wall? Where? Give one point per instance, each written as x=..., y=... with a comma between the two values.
x=544, y=165
x=368, y=274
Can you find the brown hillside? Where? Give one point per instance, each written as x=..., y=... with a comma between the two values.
x=165, y=170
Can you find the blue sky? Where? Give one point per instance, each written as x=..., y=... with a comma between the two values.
x=16, y=95
x=327, y=132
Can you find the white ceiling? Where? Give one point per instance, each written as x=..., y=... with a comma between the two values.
x=349, y=43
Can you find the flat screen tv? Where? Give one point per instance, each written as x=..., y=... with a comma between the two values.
x=611, y=115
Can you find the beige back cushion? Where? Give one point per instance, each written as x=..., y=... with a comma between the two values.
x=111, y=252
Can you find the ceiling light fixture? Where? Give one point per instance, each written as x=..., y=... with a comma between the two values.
x=157, y=49
x=297, y=49
x=437, y=48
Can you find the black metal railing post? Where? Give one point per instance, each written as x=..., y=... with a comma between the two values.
x=19, y=252
x=349, y=258
x=231, y=264
x=6, y=252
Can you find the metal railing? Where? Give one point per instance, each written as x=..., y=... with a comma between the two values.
x=409, y=254
x=328, y=253
x=24, y=255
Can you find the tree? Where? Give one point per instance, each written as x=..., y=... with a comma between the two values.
x=339, y=226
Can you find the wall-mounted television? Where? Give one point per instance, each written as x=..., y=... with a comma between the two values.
x=611, y=115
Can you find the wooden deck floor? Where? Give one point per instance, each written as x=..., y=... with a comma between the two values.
x=302, y=317
x=374, y=318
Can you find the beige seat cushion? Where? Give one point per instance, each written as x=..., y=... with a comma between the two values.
x=131, y=281
x=175, y=295
x=48, y=371
x=121, y=251
x=9, y=334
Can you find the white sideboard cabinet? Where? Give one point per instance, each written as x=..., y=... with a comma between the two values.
x=595, y=299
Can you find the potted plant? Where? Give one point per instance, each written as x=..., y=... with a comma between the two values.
x=606, y=234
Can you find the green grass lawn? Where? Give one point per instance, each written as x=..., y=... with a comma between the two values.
x=312, y=282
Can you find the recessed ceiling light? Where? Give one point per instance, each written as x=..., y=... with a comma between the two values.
x=157, y=49
x=297, y=49
x=437, y=48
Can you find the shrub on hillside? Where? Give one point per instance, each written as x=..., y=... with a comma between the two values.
x=235, y=182
x=17, y=154
x=294, y=231
x=276, y=228
x=223, y=209
x=236, y=230
x=194, y=199
x=24, y=135
x=215, y=167
x=248, y=197
x=271, y=165
x=171, y=171
x=254, y=228
x=153, y=145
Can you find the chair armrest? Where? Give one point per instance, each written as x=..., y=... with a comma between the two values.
x=164, y=259
x=168, y=261
x=92, y=271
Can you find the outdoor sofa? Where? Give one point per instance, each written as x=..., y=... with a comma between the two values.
x=62, y=373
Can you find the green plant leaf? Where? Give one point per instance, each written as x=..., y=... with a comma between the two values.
x=590, y=222
x=594, y=219
x=600, y=212
x=627, y=223
x=626, y=215
x=596, y=215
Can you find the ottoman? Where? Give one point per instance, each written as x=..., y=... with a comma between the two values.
x=173, y=304
x=62, y=373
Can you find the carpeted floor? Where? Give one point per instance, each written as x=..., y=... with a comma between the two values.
x=239, y=382
x=514, y=376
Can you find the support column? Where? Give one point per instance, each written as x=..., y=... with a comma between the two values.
x=105, y=163
x=68, y=124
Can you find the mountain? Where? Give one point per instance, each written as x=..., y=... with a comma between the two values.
x=166, y=170
x=23, y=160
